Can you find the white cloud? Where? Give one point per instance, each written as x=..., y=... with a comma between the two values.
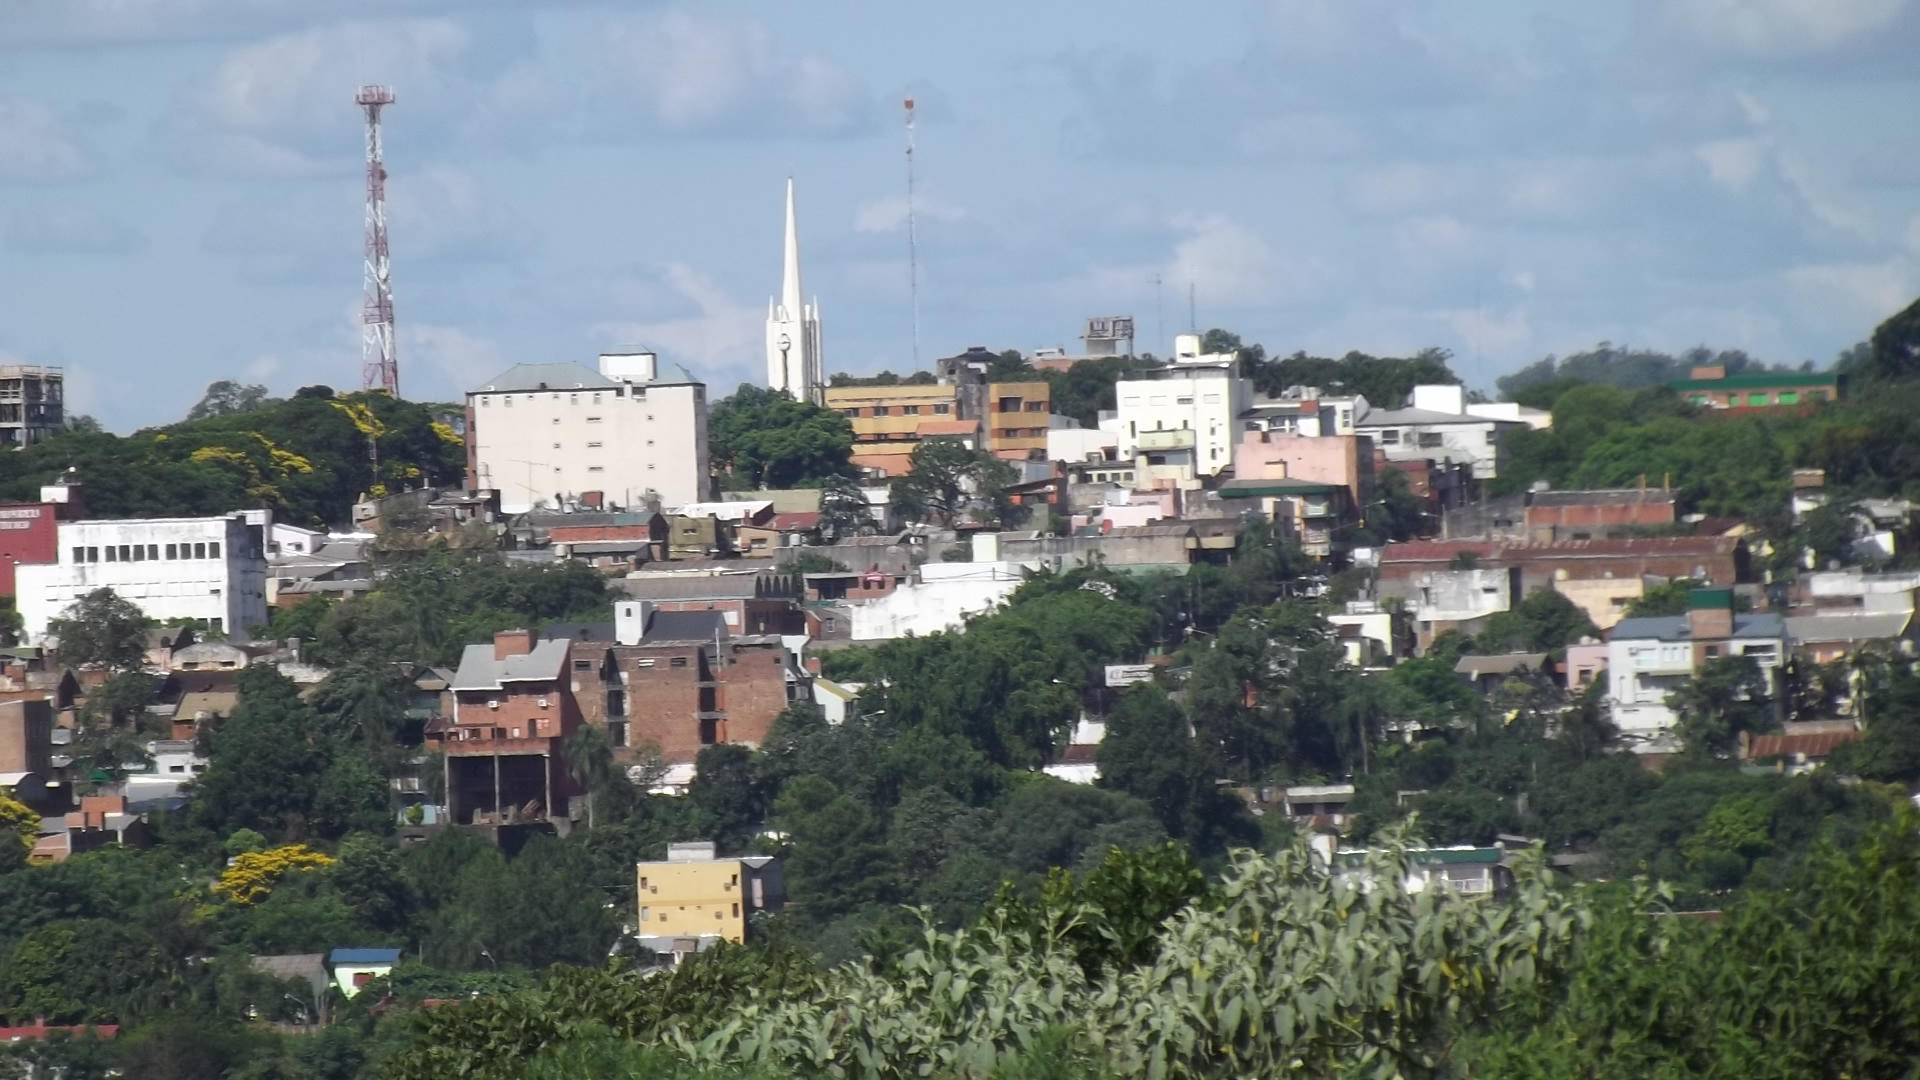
x=1399, y=188
x=684, y=73
x=1854, y=294
x=1913, y=234
x=284, y=106
x=442, y=214
x=1777, y=27
x=71, y=232
x=35, y=146
x=889, y=214
x=95, y=22
x=720, y=339
x=1733, y=163
x=461, y=358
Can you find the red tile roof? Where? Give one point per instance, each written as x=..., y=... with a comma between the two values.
x=1446, y=550
x=798, y=521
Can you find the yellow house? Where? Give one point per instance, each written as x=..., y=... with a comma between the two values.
x=694, y=899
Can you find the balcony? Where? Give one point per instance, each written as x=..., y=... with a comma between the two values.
x=1177, y=439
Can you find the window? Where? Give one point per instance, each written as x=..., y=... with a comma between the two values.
x=1009, y=404
x=485, y=401
x=126, y=553
x=556, y=419
x=1187, y=400
x=79, y=554
x=1036, y=406
x=1390, y=437
x=507, y=401
x=850, y=412
x=595, y=445
x=1712, y=651
x=1131, y=400
x=1789, y=397
x=736, y=911
x=827, y=626
x=1210, y=399
x=113, y=553
x=942, y=408
x=910, y=410
x=596, y=468
x=139, y=553
x=880, y=410
x=556, y=446
x=1429, y=439
x=199, y=551
x=216, y=625
x=583, y=665
x=678, y=661
x=213, y=549
x=593, y=419
x=644, y=662
x=1696, y=399
x=1757, y=399
x=93, y=554
x=173, y=551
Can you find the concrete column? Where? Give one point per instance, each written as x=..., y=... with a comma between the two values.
x=546, y=764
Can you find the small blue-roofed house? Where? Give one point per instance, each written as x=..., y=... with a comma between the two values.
x=354, y=968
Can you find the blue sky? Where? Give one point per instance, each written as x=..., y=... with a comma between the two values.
x=180, y=179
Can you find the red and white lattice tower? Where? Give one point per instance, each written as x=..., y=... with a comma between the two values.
x=380, y=370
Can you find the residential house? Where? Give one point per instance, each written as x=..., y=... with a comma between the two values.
x=1317, y=806
x=1648, y=658
x=513, y=708
x=1309, y=511
x=1488, y=673
x=1304, y=411
x=694, y=900
x=1553, y=516
x=101, y=820
x=1465, y=870
x=1586, y=664
x=749, y=601
x=309, y=969
x=355, y=968
x=941, y=599
x=1461, y=599
x=1371, y=637
x=26, y=751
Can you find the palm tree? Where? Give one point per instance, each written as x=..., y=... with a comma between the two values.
x=589, y=756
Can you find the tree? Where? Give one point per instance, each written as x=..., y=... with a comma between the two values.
x=1662, y=600
x=844, y=509
x=1543, y=621
x=766, y=439
x=226, y=397
x=101, y=628
x=1728, y=695
x=1149, y=753
x=588, y=753
x=86, y=971
x=945, y=478
x=265, y=773
x=837, y=859
x=1895, y=346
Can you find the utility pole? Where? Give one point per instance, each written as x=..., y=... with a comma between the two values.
x=379, y=368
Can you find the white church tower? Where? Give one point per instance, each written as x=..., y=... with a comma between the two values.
x=793, y=328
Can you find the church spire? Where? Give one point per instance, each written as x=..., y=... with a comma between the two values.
x=790, y=276
x=793, y=325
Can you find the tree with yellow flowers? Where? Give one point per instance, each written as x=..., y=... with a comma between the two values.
x=251, y=876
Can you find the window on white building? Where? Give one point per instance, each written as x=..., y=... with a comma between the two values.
x=1429, y=440
x=199, y=551
x=1183, y=401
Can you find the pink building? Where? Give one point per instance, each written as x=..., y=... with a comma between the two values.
x=1342, y=460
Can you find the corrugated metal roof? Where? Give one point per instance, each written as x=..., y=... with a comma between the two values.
x=533, y=377
x=1810, y=746
x=1675, y=628
x=1601, y=497
x=1507, y=664
x=1849, y=626
x=361, y=957
x=693, y=587
x=480, y=671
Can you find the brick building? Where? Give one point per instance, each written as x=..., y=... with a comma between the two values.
x=26, y=749
x=680, y=680
x=1587, y=515
x=1710, y=387
x=513, y=707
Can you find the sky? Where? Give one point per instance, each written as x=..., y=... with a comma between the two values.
x=181, y=180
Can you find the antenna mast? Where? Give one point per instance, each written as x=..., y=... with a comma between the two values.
x=379, y=369
x=913, y=244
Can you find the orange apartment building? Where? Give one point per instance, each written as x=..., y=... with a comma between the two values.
x=1018, y=414
x=889, y=421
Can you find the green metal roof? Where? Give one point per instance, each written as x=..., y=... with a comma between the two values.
x=1250, y=488
x=1710, y=600
x=1771, y=381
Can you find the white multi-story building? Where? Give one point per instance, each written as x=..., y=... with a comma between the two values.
x=1181, y=424
x=549, y=434
x=211, y=570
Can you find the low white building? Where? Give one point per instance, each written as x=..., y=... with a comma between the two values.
x=551, y=433
x=1366, y=634
x=942, y=598
x=1439, y=426
x=210, y=570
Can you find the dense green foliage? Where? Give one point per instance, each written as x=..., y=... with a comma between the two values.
x=1623, y=368
x=765, y=439
x=948, y=482
x=307, y=458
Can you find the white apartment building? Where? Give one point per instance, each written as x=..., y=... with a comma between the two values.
x=211, y=570
x=1648, y=658
x=1181, y=425
x=547, y=434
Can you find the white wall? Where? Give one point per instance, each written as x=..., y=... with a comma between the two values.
x=623, y=441
x=1080, y=444
x=945, y=595
x=1205, y=401
x=227, y=591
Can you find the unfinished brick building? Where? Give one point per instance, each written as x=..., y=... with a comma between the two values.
x=513, y=708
